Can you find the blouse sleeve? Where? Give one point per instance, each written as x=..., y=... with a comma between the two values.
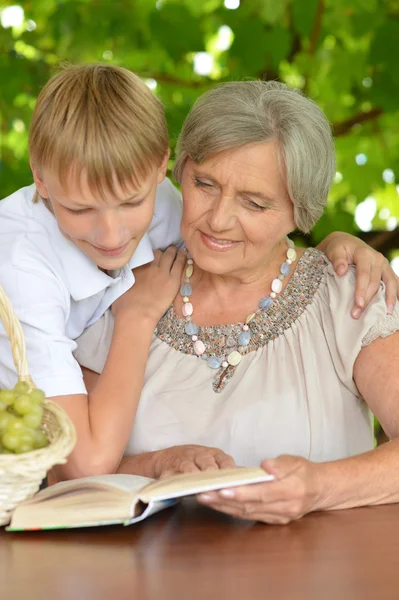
x=345, y=335
x=94, y=343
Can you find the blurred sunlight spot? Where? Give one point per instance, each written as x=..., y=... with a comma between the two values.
x=395, y=264
x=392, y=223
x=367, y=82
x=18, y=125
x=151, y=83
x=12, y=16
x=338, y=177
x=203, y=63
x=329, y=42
x=30, y=25
x=224, y=39
x=365, y=213
x=361, y=159
x=384, y=214
x=388, y=176
x=158, y=4
x=232, y=4
x=108, y=55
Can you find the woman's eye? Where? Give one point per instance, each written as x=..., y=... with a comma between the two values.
x=202, y=184
x=256, y=206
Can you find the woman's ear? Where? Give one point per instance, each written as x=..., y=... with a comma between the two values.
x=163, y=167
x=39, y=183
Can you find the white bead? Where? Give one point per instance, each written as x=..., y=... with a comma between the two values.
x=194, y=338
x=291, y=254
x=199, y=347
x=245, y=327
x=273, y=295
x=186, y=299
x=225, y=364
x=190, y=261
x=277, y=286
x=288, y=261
x=187, y=309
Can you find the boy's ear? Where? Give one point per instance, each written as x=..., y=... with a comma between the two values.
x=39, y=183
x=163, y=167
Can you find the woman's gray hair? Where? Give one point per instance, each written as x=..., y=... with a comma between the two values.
x=244, y=112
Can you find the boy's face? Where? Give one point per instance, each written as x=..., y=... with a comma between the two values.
x=108, y=231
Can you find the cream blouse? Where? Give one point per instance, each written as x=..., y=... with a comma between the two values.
x=293, y=391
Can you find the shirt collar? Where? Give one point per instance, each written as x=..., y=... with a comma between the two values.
x=83, y=277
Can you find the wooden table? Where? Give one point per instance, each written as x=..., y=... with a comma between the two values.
x=189, y=552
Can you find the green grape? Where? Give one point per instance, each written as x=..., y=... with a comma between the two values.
x=7, y=397
x=23, y=404
x=21, y=388
x=34, y=418
x=41, y=440
x=37, y=396
x=11, y=441
x=5, y=419
x=28, y=436
x=21, y=414
x=24, y=447
x=14, y=426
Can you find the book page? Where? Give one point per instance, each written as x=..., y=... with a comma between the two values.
x=125, y=483
x=205, y=481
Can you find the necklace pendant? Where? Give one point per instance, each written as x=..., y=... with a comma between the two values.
x=234, y=358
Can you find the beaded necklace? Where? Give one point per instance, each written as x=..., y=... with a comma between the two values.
x=234, y=347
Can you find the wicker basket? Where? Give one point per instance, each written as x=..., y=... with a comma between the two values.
x=22, y=474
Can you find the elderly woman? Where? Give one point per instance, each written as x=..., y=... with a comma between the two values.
x=258, y=359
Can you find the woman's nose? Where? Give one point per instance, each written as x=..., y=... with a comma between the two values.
x=222, y=216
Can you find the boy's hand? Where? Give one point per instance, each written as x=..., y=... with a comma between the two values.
x=156, y=285
x=342, y=250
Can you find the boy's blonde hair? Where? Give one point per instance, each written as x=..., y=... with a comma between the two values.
x=101, y=119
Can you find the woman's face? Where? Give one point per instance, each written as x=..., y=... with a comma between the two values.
x=236, y=209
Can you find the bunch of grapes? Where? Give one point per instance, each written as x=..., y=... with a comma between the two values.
x=21, y=413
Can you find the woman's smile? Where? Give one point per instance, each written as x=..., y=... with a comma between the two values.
x=218, y=244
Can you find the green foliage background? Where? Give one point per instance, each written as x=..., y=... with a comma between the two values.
x=343, y=53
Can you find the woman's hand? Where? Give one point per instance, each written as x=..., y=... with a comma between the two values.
x=189, y=459
x=292, y=494
x=156, y=285
x=342, y=250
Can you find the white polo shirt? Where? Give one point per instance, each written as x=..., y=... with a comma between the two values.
x=57, y=291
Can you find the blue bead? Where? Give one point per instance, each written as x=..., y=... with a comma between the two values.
x=214, y=362
x=285, y=269
x=265, y=303
x=191, y=328
x=244, y=338
x=186, y=289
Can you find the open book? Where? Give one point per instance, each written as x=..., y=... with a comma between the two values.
x=111, y=499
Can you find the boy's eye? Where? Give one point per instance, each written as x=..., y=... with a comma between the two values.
x=134, y=204
x=80, y=211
